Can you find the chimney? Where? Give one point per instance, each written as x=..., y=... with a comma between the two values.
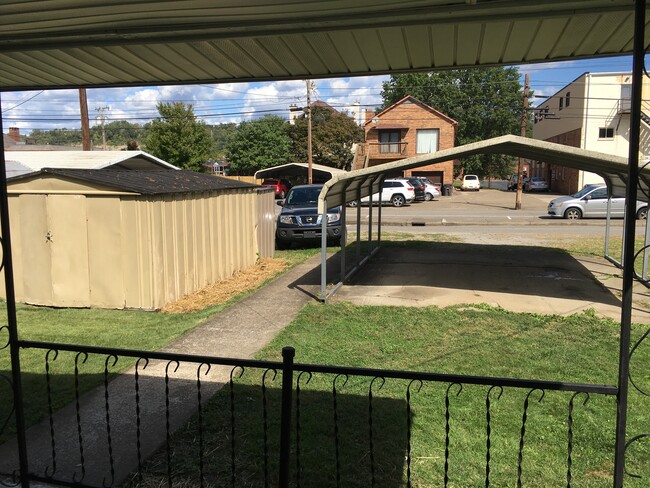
x=14, y=134
x=368, y=115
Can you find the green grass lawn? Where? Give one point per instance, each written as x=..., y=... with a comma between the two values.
x=126, y=329
x=466, y=340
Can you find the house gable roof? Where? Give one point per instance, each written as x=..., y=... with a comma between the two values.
x=421, y=104
x=147, y=182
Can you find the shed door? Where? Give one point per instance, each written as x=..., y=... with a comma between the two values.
x=68, y=244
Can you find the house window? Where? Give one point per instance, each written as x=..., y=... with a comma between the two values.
x=561, y=103
x=567, y=100
x=389, y=141
x=426, y=141
x=606, y=133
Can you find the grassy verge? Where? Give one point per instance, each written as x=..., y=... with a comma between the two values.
x=467, y=340
x=127, y=329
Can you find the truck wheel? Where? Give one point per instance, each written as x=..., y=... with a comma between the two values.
x=281, y=245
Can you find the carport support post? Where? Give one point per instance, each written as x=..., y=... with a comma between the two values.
x=628, y=245
x=359, y=224
x=12, y=321
x=323, y=253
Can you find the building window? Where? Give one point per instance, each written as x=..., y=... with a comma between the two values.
x=606, y=133
x=567, y=100
x=389, y=141
x=426, y=141
x=561, y=103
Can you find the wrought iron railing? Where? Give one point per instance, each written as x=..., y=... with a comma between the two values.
x=256, y=434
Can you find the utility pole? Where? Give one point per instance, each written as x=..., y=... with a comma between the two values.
x=85, y=125
x=524, y=124
x=102, y=118
x=309, y=157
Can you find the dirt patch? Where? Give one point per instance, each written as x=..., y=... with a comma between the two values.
x=222, y=291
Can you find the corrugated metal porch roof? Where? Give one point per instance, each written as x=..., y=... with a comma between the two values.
x=56, y=44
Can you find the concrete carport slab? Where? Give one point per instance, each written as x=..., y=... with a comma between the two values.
x=514, y=277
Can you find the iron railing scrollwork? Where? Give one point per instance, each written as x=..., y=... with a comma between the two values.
x=404, y=389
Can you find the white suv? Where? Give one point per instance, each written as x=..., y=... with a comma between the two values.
x=470, y=182
x=395, y=192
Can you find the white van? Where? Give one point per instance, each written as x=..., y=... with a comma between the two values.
x=470, y=182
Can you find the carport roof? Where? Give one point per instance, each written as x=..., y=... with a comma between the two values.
x=297, y=169
x=94, y=43
x=344, y=188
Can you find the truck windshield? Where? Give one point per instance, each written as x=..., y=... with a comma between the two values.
x=303, y=196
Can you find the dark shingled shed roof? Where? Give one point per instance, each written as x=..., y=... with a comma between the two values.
x=145, y=182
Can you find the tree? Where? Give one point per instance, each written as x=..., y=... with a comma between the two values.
x=486, y=103
x=179, y=138
x=118, y=133
x=221, y=133
x=333, y=134
x=259, y=144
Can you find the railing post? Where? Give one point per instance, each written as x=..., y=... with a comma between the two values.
x=628, y=244
x=288, y=354
x=12, y=322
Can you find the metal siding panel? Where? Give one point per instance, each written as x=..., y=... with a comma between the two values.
x=394, y=47
x=443, y=44
x=36, y=253
x=67, y=222
x=549, y=32
x=497, y=33
x=369, y=42
x=105, y=256
x=283, y=55
x=624, y=36
x=601, y=30
x=130, y=251
x=308, y=56
x=257, y=49
x=418, y=44
x=346, y=45
x=240, y=59
x=469, y=44
x=578, y=28
x=521, y=37
x=16, y=248
x=158, y=242
x=328, y=52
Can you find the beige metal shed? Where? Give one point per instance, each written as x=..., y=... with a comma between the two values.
x=131, y=239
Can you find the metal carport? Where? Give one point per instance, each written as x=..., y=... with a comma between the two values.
x=319, y=172
x=357, y=184
x=104, y=43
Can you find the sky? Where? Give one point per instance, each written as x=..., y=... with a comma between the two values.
x=237, y=102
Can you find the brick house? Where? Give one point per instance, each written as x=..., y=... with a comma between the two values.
x=405, y=129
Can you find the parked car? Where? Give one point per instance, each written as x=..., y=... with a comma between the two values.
x=395, y=191
x=470, y=182
x=299, y=220
x=418, y=187
x=591, y=201
x=280, y=186
x=536, y=184
x=431, y=190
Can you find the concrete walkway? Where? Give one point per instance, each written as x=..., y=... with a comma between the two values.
x=239, y=332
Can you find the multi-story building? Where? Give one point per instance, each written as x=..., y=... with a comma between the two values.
x=592, y=112
x=405, y=129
